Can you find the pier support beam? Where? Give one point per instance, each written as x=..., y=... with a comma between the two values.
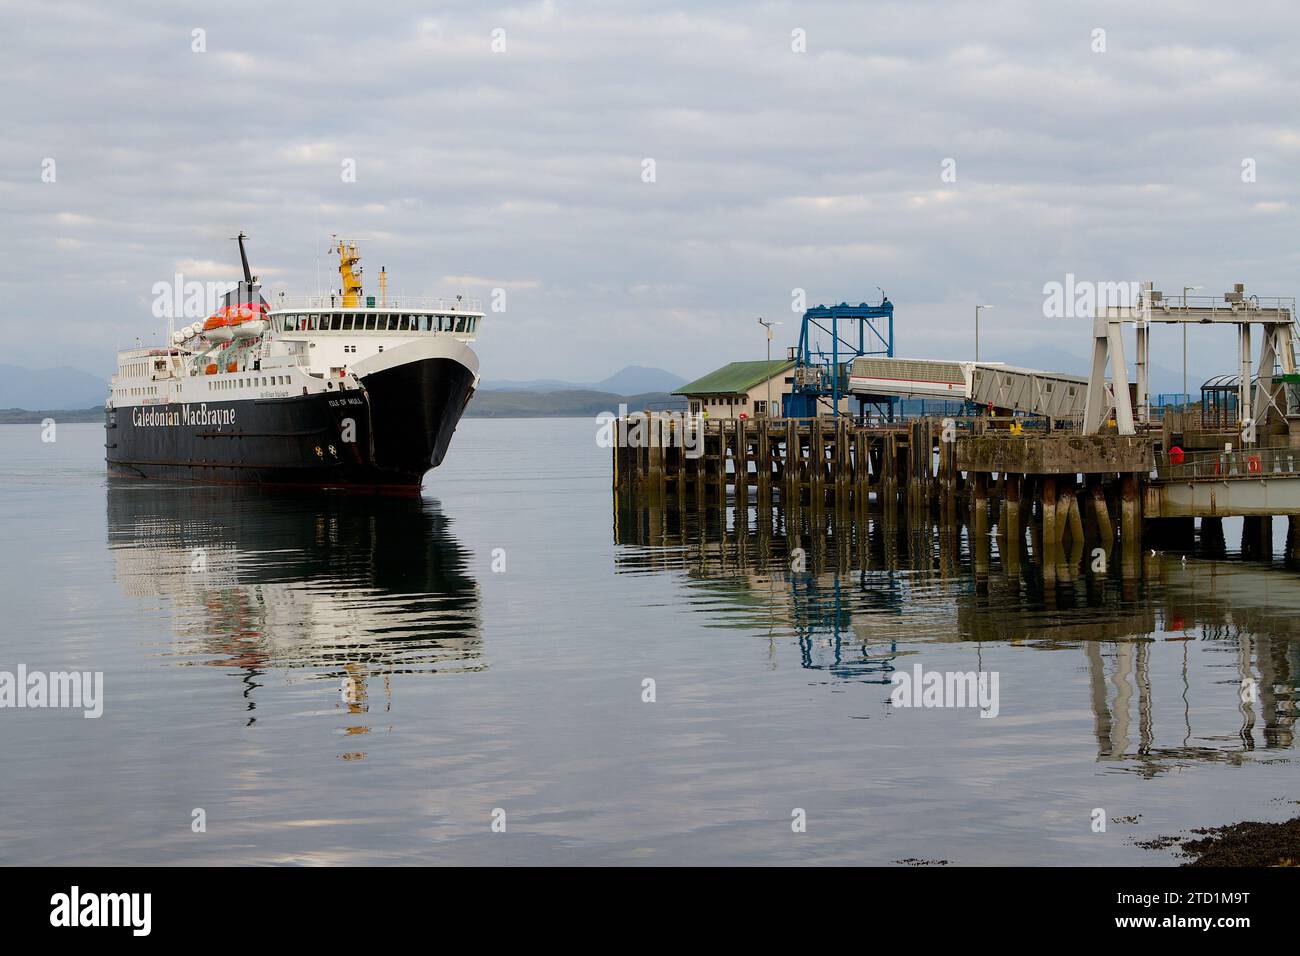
x=1130, y=523
x=1101, y=512
x=1257, y=537
x=980, y=516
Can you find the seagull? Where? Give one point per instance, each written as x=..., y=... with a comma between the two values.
x=1154, y=552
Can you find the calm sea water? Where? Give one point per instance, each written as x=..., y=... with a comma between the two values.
x=347, y=680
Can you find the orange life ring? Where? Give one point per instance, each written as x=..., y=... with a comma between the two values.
x=1253, y=464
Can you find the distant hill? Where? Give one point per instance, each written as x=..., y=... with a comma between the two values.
x=637, y=379
x=569, y=403
x=528, y=385
x=23, y=416
x=631, y=380
x=50, y=388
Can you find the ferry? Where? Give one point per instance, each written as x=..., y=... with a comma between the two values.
x=343, y=390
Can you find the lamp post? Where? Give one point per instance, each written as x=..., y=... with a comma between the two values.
x=1186, y=397
x=768, y=326
x=977, y=329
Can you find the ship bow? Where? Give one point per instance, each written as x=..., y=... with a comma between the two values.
x=416, y=394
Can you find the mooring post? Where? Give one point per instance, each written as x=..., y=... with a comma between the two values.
x=618, y=446
x=1047, y=502
x=1064, y=495
x=1075, y=518
x=980, y=522
x=816, y=459
x=741, y=463
x=790, y=490
x=655, y=458
x=1013, y=534
x=684, y=453
x=1101, y=511
x=1130, y=523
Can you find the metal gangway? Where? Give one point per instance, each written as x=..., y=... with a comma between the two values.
x=1275, y=314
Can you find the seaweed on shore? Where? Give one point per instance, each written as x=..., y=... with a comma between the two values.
x=1250, y=843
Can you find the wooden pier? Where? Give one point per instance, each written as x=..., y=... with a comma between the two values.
x=1066, y=490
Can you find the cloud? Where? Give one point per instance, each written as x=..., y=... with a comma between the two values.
x=775, y=169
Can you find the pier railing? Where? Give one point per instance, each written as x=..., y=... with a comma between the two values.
x=1240, y=463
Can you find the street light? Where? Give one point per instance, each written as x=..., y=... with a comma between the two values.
x=768, y=325
x=977, y=329
x=1186, y=397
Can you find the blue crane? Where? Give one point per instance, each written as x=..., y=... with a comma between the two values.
x=821, y=369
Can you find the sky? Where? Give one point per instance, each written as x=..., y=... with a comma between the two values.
x=950, y=154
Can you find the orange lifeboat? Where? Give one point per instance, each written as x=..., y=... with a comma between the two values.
x=218, y=326
x=248, y=321
x=211, y=369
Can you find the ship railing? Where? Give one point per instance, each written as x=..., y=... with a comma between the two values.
x=389, y=303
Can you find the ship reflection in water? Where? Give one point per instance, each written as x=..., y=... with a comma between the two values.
x=352, y=590
x=1184, y=661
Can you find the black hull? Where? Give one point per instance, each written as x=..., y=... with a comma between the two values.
x=382, y=437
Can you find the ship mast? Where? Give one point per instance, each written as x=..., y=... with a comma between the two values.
x=350, y=272
x=243, y=256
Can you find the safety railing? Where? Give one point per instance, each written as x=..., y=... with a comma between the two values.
x=1241, y=463
x=386, y=303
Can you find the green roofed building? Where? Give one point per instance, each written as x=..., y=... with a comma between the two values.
x=741, y=389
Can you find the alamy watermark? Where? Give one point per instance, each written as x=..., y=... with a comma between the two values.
x=646, y=430
x=39, y=689
x=75, y=908
x=188, y=298
x=1081, y=298
x=922, y=688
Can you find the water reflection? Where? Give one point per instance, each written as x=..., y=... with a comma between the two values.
x=342, y=589
x=1185, y=661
